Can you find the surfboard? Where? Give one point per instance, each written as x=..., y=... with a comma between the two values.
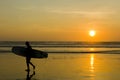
x=22, y=51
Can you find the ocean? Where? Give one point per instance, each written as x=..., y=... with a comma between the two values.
x=67, y=60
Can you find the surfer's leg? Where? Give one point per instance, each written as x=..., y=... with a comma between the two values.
x=27, y=62
x=32, y=64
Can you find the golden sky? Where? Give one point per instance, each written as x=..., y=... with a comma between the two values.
x=59, y=20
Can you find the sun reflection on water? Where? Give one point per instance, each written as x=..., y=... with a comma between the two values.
x=92, y=63
x=92, y=49
x=92, y=67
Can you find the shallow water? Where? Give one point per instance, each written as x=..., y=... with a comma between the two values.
x=62, y=67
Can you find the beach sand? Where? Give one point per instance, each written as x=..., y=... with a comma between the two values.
x=62, y=67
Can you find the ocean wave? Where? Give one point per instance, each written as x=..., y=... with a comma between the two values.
x=67, y=44
x=102, y=52
x=5, y=46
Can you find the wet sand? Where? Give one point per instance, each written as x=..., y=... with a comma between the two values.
x=62, y=67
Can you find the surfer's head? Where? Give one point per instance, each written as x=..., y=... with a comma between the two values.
x=27, y=43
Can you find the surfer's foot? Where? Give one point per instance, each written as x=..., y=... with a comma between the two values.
x=27, y=70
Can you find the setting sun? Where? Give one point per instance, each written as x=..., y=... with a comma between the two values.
x=92, y=33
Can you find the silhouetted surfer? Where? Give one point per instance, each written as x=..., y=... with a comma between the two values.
x=28, y=56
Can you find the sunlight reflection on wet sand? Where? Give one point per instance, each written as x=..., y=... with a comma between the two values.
x=63, y=67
